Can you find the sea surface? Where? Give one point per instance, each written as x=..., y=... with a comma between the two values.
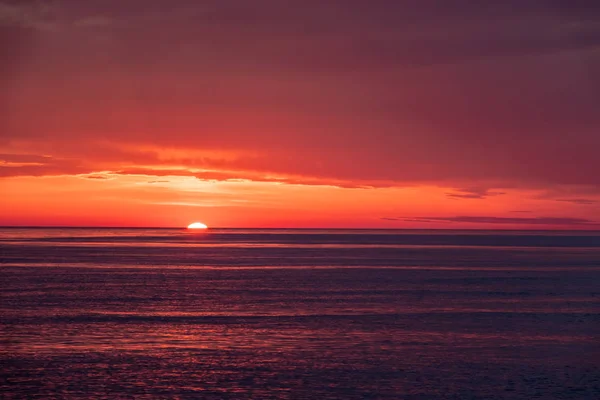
x=299, y=314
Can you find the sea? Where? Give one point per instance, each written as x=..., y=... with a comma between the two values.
x=299, y=314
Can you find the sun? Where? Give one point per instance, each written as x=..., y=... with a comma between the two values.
x=197, y=225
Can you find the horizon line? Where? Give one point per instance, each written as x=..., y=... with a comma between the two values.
x=292, y=228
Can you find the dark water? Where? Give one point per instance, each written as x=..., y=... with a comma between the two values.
x=298, y=314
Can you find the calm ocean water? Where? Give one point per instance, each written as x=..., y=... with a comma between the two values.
x=299, y=314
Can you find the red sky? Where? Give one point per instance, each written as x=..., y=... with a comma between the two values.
x=328, y=113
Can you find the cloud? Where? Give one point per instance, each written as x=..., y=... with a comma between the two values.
x=50, y=16
x=241, y=175
x=473, y=193
x=28, y=14
x=384, y=93
x=574, y=194
x=94, y=21
x=505, y=220
x=155, y=164
x=97, y=177
x=580, y=201
x=14, y=165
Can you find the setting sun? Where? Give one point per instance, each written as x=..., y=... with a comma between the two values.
x=197, y=225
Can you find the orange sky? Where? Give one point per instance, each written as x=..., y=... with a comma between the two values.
x=174, y=201
x=334, y=114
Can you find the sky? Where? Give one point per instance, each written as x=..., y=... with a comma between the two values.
x=301, y=113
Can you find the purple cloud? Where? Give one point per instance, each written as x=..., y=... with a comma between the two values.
x=473, y=193
x=507, y=220
x=579, y=201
